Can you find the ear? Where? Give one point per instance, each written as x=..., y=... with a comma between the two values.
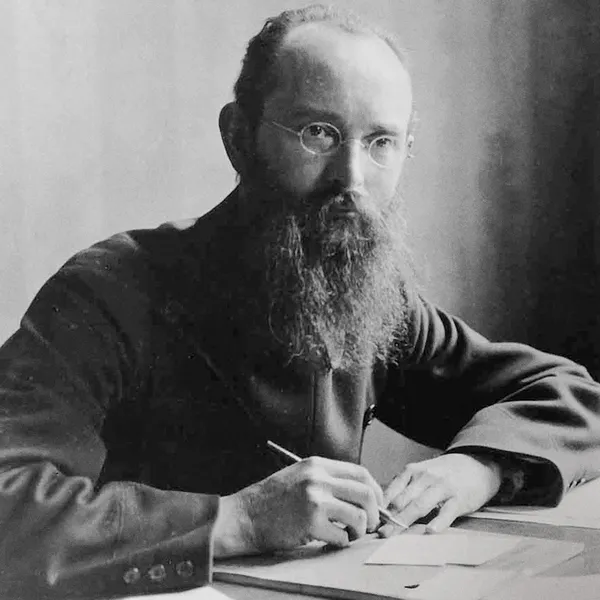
x=410, y=142
x=235, y=134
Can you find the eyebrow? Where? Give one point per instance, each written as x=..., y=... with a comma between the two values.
x=310, y=112
x=316, y=114
x=383, y=129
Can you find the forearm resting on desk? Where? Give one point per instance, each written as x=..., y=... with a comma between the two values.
x=63, y=539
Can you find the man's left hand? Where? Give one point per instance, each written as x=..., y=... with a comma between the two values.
x=455, y=484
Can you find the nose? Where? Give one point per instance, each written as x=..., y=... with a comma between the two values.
x=349, y=163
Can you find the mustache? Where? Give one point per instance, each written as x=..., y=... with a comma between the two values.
x=326, y=206
x=353, y=214
x=335, y=197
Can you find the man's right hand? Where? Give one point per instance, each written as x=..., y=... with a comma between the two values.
x=315, y=499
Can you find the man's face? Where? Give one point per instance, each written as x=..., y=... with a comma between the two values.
x=357, y=84
x=328, y=227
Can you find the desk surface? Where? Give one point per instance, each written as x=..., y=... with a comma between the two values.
x=586, y=563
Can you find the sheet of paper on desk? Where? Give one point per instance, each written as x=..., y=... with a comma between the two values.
x=458, y=548
x=583, y=587
x=522, y=554
x=533, y=555
x=579, y=508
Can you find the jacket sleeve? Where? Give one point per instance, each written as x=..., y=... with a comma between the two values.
x=457, y=391
x=81, y=347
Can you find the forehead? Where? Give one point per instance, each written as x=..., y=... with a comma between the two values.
x=356, y=77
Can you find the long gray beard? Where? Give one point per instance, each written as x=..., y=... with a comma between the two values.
x=336, y=286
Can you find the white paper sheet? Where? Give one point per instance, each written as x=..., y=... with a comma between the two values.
x=454, y=548
x=579, y=508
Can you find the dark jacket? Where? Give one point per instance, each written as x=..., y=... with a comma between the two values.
x=129, y=402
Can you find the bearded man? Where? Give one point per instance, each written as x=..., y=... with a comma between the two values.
x=149, y=373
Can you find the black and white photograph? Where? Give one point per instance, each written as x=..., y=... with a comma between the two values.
x=300, y=300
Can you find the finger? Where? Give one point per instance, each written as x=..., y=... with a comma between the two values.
x=387, y=530
x=423, y=504
x=447, y=514
x=349, y=516
x=346, y=470
x=396, y=487
x=360, y=495
x=332, y=534
x=418, y=484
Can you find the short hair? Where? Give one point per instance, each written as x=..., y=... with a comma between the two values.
x=257, y=78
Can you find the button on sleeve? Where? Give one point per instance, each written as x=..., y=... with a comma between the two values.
x=185, y=569
x=157, y=573
x=132, y=576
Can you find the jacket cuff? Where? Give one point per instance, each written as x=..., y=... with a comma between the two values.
x=526, y=480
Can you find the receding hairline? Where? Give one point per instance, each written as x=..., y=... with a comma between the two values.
x=258, y=78
x=290, y=45
x=359, y=29
x=294, y=55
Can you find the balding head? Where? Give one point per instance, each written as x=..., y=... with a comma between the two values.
x=258, y=78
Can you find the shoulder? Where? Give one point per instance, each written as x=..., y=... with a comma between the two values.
x=137, y=250
x=434, y=332
x=125, y=277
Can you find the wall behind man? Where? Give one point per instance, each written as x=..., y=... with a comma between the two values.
x=108, y=121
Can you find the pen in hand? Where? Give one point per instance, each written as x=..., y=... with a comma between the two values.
x=384, y=514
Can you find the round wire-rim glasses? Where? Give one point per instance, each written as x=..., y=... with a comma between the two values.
x=322, y=138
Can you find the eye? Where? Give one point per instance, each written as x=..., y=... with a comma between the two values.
x=385, y=150
x=320, y=137
x=385, y=142
x=319, y=131
x=315, y=130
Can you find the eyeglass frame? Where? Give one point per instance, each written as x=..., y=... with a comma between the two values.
x=342, y=141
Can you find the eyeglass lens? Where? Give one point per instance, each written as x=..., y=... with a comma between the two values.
x=322, y=138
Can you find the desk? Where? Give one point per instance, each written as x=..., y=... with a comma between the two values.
x=586, y=563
